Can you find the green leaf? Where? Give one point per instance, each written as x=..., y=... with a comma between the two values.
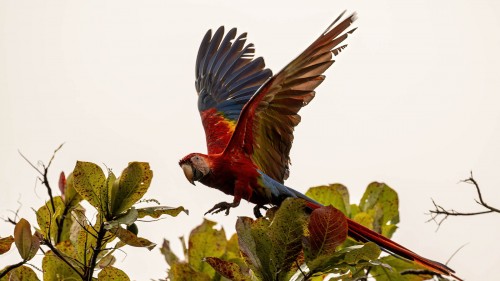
x=398, y=266
x=228, y=269
x=381, y=201
x=127, y=218
x=111, y=274
x=22, y=273
x=205, y=241
x=58, y=222
x=89, y=180
x=111, y=186
x=369, y=251
x=350, y=258
x=27, y=244
x=327, y=230
x=286, y=232
x=131, y=239
x=56, y=269
x=232, y=249
x=335, y=194
x=133, y=184
x=5, y=244
x=365, y=219
x=169, y=255
x=245, y=228
x=156, y=212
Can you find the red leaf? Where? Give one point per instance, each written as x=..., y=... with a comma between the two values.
x=62, y=184
x=327, y=230
x=227, y=269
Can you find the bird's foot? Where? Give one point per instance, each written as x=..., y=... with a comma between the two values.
x=222, y=206
x=256, y=210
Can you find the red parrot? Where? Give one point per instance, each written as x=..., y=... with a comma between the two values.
x=249, y=116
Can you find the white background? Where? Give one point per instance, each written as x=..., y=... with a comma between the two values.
x=413, y=102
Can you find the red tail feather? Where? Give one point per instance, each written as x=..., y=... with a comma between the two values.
x=364, y=234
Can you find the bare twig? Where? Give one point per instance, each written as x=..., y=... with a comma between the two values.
x=44, y=174
x=444, y=213
x=481, y=201
x=454, y=253
x=16, y=214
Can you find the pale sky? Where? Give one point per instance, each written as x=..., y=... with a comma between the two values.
x=413, y=102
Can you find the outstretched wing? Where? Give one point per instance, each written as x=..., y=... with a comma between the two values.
x=226, y=78
x=265, y=128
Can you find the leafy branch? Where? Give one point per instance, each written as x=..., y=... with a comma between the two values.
x=443, y=213
x=290, y=244
x=78, y=247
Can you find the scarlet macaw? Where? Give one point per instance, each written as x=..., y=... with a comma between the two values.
x=249, y=116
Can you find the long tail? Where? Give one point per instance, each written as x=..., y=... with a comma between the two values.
x=364, y=234
x=359, y=232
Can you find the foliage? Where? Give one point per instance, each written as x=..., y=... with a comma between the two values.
x=290, y=243
x=293, y=243
x=78, y=247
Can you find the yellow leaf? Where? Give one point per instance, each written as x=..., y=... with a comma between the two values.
x=111, y=274
x=132, y=185
x=89, y=180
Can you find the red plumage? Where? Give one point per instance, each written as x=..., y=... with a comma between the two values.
x=249, y=116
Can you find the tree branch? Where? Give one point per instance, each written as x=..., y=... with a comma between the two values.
x=441, y=211
x=98, y=248
x=44, y=174
x=59, y=255
x=11, y=267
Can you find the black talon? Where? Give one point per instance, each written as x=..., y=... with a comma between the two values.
x=256, y=210
x=219, y=207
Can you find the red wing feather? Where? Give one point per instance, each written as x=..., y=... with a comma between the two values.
x=265, y=128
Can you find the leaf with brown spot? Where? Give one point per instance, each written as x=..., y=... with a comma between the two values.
x=286, y=232
x=327, y=230
x=5, y=244
x=132, y=185
x=335, y=194
x=205, y=241
x=111, y=274
x=131, y=239
x=382, y=203
x=89, y=180
x=56, y=269
x=55, y=223
x=248, y=246
x=184, y=272
x=228, y=269
x=22, y=273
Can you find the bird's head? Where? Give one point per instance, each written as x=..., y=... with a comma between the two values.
x=195, y=166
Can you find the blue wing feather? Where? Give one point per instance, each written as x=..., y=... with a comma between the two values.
x=226, y=74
